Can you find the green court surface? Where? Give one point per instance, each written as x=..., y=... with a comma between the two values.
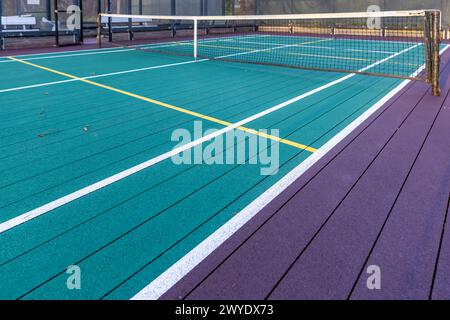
x=74, y=124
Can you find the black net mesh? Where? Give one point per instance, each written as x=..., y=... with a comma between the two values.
x=393, y=46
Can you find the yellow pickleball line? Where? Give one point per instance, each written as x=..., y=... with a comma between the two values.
x=169, y=106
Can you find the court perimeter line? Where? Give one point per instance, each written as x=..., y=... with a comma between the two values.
x=346, y=58
x=85, y=52
x=318, y=47
x=72, y=55
x=159, y=286
x=7, y=225
x=101, y=75
x=111, y=50
x=328, y=57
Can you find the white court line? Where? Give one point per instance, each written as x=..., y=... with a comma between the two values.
x=265, y=50
x=22, y=218
x=112, y=50
x=155, y=289
x=71, y=55
x=58, y=52
x=328, y=57
x=101, y=75
x=385, y=41
x=78, y=51
x=119, y=49
x=372, y=51
x=231, y=37
x=135, y=70
x=317, y=47
x=87, y=52
x=175, y=44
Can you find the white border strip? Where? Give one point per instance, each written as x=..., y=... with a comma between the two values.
x=182, y=267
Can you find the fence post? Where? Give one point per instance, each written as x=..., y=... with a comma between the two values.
x=173, y=7
x=130, y=21
x=56, y=13
x=2, y=46
x=110, y=31
x=99, y=30
x=80, y=5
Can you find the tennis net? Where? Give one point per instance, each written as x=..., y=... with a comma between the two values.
x=402, y=44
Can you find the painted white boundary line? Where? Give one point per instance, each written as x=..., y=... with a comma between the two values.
x=76, y=52
x=110, y=51
x=182, y=267
x=101, y=75
x=71, y=55
x=58, y=52
x=87, y=52
x=143, y=69
x=317, y=47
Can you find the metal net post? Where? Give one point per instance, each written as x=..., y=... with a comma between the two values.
x=435, y=46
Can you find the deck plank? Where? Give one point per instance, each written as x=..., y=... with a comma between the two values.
x=441, y=287
x=407, y=249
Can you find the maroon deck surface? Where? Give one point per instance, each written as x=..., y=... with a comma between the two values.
x=381, y=197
